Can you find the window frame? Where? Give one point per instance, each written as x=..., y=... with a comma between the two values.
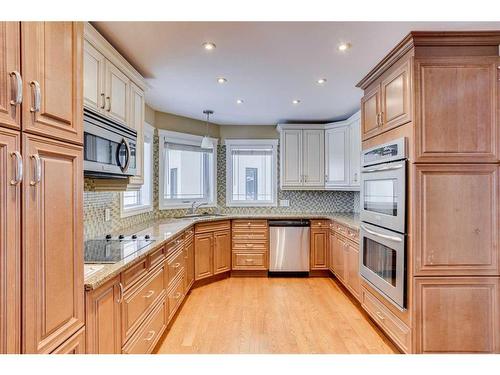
x=148, y=131
x=190, y=140
x=232, y=144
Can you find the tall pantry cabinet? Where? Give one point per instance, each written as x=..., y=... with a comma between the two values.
x=41, y=187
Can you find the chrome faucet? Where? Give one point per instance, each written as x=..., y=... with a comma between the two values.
x=195, y=206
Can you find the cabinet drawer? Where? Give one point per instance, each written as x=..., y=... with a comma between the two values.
x=391, y=325
x=174, y=244
x=247, y=261
x=157, y=256
x=245, y=235
x=212, y=226
x=139, y=299
x=249, y=224
x=175, y=296
x=175, y=265
x=146, y=337
x=134, y=273
x=319, y=223
x=245, y=246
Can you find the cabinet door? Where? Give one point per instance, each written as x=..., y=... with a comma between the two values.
x=10, y=75
x=137, y=122
x=396, y=96
x=355, y=153
x=222, y=252
x=314, y=158
x=10, y=242
x=352, y=271
x=291, y=158
x=319, y=249
x=331, y=248
x=52, y=243
x=337, y=156
x=370, y=110
x=52, y=79
x=189, y=261
x=457, y=110
x=456, y=202
x=338, y=258
x=203, y=250
x=93, y=78
x=74, y=345
x=457, y=314
x=117, y=94
x=103, y=318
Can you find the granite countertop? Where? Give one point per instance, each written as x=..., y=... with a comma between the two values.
x=165, y=229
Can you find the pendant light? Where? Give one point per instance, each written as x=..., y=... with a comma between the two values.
x=206, y=142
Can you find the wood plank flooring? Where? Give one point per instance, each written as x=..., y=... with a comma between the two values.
x=272, y=315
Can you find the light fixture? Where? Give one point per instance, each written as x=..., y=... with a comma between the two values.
x=221, y=80
x=295, y=101
x=206, y=142
x=239, y=101
x=344, y=46
x=321, y=81
x=209, y=46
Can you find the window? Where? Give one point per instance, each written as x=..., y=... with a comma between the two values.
x=140, y=201
x=187, y=171
x=251, y=172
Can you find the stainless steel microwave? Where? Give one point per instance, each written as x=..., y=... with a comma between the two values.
x=109, y=148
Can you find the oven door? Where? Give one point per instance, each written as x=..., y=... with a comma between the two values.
x=382, y=262
x=383, y=189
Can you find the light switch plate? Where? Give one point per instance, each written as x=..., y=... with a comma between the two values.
x=107, y=214
x=284, y=203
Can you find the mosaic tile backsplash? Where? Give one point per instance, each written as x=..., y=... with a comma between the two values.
x=94, y=203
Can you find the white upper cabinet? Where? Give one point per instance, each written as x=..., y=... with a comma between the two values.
x=313, y=159
x=117, y=93
x=136, y=121
x=355, y=148
x=93, y=78
x=291, y=158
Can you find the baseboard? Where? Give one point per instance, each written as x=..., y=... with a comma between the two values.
x=249, y=273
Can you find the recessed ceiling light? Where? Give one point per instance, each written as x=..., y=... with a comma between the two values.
x=295, y=101
x=221, y=80
x=209, y=46
x=239, y=101
x=344, y=46
x=321, y=81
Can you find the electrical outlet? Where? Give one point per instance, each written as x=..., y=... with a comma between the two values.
x=107, y=214
x=284, y=203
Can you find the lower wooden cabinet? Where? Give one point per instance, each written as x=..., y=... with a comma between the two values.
x=203, y=258
x=74, y=345
x=353, y=281
x=250, y=245
x=319, y=247
x=212, y=248
x=222, y=251
x=189, y=265
x=338, y=257
x=457, y=314
x=103, y=318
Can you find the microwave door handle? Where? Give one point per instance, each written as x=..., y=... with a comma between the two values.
x=392, y=238
x=390, y=168
x=127, y=162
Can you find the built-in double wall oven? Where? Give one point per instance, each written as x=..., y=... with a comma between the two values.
x=383, y=220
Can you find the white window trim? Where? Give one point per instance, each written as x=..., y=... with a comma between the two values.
x=186, y=139
x=148, y=131
x=258, y=143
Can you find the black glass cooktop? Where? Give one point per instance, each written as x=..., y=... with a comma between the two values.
x=112, y=250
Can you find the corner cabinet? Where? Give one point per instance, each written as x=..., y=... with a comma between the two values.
x=212, y=249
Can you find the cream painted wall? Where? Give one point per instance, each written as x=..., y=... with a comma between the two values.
x=168, y=121
x=149, y=115
x=248, y=132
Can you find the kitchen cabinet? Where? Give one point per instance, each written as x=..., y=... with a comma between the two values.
x=11, y=86
x=203, y=250
x=52, y=60
x=319, y=245
x=339, y=261
x=10, y=241
x=52, y=234
x=117, y=90
x=74, y=345
x=291, y=158
x=103, y=318
x=353, y=281
x=136, y=121
x=93, y=78
x=222, y=251
x=250, y=245
x=212, y=247
x=370, y=112
x=313, y=167
x=189, y=261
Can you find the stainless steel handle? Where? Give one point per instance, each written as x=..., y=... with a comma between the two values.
x=18, y=98
x=120, y=297
x=386, y=168
x=19, y=168
x=103, y=101
x=38, y=170
x=109, y=103
x=392, y=238
x=379, y=315
x=124, y=168
x=37, y=96
x=381, y=118
x=355, y=177
x=149, y=294
x=150, y=336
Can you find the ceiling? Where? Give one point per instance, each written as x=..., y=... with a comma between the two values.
x=267, y=64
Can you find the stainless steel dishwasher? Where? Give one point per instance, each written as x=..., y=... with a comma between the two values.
x=289, y=245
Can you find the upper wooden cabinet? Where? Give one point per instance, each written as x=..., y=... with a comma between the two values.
x=11, y=83
x=52, y=230
x=52, y=79
x=370, y=113
x=10, y=241
x=457, y=116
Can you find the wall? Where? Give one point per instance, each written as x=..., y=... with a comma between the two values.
x=300, y=201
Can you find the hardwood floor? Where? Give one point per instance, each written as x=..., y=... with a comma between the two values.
x=272, y=315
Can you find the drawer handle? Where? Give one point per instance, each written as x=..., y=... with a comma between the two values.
x=249, y=245
x=177, y=295
x=248, y=260
x=319, y=224
x=176, y=265
x=151, y=334
x=149, y=294
x=379, y=315
x=120, y=297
